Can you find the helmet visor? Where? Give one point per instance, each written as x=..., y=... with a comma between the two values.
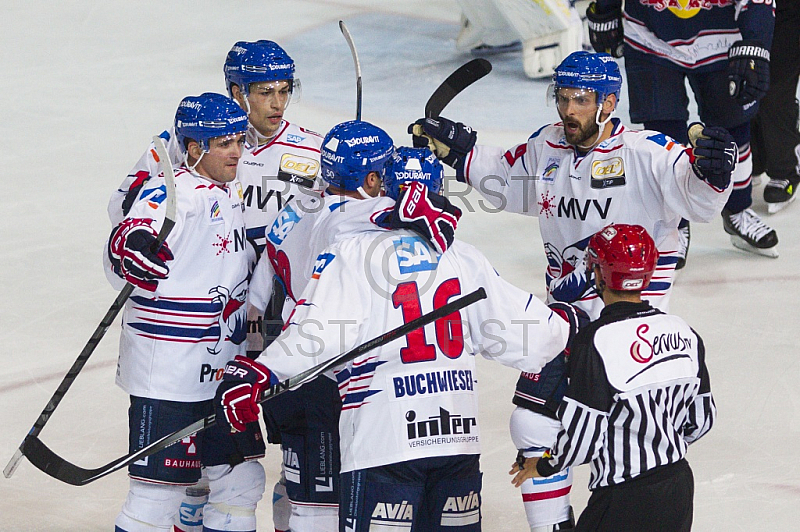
x=281, y=92
x=564, y=97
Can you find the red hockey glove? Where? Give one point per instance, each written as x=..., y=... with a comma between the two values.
x=430, y=215
x=237, y=397
x=132, y=256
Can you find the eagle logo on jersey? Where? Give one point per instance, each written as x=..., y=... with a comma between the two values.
x=232, y=319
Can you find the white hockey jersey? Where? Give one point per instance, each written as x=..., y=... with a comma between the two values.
x=415, y=397
x=634, y=177
x=176, y=341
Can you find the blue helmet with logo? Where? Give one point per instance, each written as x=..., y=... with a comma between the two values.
x=351, y=150
x=413, y=164
x=253, y=62
x=207, y=116
x=584, y=70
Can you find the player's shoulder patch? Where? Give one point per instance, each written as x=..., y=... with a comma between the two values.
x=322, y=262
x=663, y=140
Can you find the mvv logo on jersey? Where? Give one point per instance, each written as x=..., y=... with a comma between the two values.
x=298, y=170
x=608, y=173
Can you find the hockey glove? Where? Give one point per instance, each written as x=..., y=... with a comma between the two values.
x=748, y=71
x=429, y=215
x=714, y=154
x=575, y=317
x=140, y=179
x=132, y=256
x=450, y=141
x=605, y=30
x=237, y=397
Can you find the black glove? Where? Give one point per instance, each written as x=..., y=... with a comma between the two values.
x=714, y=154
x=605, y=30
x=748, y=71
x=450, y=141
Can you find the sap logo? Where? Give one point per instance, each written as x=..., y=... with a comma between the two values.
x=213, y=374
x=572, y=208
x=282, y=225
x=191, y=515
x=294, y=139
x=414, y=255
x=263, y=200
x=252, y=163
x=322, y=262
x=400, y=512
x=608, y=168
x=444, y=424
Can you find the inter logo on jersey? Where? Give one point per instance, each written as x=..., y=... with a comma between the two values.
x=322, y=262
x=414, y=255
x=608, y=173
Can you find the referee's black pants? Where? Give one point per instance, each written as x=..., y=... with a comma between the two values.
x=660, y=500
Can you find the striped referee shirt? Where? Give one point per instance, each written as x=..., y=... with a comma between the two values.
x=639, y=394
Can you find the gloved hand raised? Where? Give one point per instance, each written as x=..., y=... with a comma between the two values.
x=449, y=141
x=714, y=154
x=130, y=250
x=428, y=214
x=605, y=30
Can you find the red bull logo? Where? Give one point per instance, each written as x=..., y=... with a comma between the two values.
x=685, y=8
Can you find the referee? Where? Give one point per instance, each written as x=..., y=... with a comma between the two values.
x=638, y=395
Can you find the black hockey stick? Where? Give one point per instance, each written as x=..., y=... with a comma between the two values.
x=463, y=77
x=352, y=45
x=108, y=319
x=55, y=466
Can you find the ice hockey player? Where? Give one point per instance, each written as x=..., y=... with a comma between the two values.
x=546, y=30
x=776, y=127
x=639, y=382
x=408, y=428
x=185, y=320
x=722, y=48
x=577, y=175
x=351, y=205
x=280, y=162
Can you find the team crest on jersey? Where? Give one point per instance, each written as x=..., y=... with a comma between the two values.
x=608, y=173
x=414, y=255
x=294, y=139
x=686, y=8
x=550, y=171
x=214, y=211
x=322, y=262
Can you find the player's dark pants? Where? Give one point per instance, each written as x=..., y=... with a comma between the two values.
x=774, y=129
x=425, y=495
x=306, y=424
x=658, y=99
x=658, y=501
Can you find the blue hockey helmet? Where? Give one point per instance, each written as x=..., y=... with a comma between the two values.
x=597, y=72
x=413, y=164
x=351, y=150
x=207, y=116
x=253, y=62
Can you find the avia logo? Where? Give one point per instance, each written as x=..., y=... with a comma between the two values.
x=399, y=512
x=290, y=458
x=460, y=504
x=442, y=425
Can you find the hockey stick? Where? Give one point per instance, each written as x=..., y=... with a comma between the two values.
x=108, y=319
x=463, y=77
x=55, y=466
x=352, y=45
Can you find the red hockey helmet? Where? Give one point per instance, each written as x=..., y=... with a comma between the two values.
x=626, y=255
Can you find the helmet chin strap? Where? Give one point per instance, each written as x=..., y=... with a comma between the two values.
x=363, y=193
x=600, y=127
x=192, y=166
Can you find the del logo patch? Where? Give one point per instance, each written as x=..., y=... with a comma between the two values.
x=298, y=169
x=608, y=173
x=214, y=211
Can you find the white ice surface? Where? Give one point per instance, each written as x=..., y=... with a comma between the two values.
x=85, y=84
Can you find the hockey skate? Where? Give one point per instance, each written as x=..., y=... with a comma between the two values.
x=749, y=233
x=685, y=237
x=779, y=193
